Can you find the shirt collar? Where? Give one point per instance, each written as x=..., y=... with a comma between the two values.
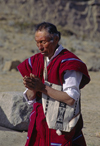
x=58, y=50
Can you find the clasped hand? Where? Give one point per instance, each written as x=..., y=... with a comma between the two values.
x=33, y=83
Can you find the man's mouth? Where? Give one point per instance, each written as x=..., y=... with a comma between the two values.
x=43, y=52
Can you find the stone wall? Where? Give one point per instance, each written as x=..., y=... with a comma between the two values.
x=81, y=17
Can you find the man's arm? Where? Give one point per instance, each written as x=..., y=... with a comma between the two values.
x=58, y=95
x=35, y=84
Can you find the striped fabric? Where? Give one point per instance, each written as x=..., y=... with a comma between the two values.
x=69, y=59
x=55, y=144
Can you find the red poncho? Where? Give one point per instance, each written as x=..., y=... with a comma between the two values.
x=38, y=131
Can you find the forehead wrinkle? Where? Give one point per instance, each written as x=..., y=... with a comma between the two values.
x=42, y=36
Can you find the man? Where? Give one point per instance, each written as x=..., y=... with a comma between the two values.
x=58, y=75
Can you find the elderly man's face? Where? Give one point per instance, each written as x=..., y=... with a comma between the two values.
x=45, y=44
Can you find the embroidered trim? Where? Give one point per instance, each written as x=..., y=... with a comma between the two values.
x=69, y=59
x=56, y=144
x=75, y=107
x=29, y=61
x=47, y=102
x=27, y=137
x=60, y=117
x=77, y=137
x=31, y=115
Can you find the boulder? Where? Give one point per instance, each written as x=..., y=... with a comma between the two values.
x=14, y=111
x=1, y=61
x=9, y=65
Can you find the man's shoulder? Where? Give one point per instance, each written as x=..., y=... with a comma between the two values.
x=65, y=53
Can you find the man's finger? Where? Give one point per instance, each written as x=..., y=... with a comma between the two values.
x=32, y=75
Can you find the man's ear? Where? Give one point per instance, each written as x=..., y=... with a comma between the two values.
x=56, y=39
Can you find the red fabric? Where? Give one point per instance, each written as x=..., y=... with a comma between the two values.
x=38, y=132
x=56, y=68
x=37, y=62
x=40, y=135
x=79, y=140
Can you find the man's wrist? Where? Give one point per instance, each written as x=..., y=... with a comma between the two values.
x=43, y=88
x=30, y=94
x=31, y=101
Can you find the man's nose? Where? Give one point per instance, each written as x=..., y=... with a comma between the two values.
x=40, y=46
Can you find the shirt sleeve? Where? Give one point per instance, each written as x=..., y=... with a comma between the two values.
x=71, y=83
x=28, y=101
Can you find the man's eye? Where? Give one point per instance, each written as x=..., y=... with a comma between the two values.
x=43, y=42
x=40, y=42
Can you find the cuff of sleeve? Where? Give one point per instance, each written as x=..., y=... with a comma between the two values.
x=30, y=102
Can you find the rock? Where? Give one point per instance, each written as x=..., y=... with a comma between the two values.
x=14, y=64
x=9, y=65
x=1, y=61
x=98, y=134
x=14, y=111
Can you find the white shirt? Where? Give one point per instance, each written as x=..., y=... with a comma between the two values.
x=71, y=83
